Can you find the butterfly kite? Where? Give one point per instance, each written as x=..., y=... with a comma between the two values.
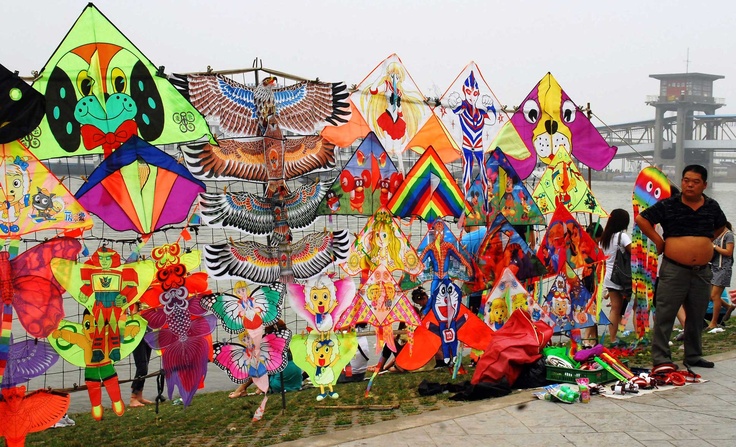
x=258, y=355
x=29, y=288
x=246, y=309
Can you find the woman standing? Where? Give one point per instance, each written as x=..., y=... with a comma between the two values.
x=614, y=236
x=721, y=264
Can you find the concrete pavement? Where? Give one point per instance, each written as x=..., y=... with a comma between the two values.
x=694, y=415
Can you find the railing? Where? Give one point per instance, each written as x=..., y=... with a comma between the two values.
x=654, y=99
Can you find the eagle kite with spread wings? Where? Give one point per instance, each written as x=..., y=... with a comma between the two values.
x=284, y=262
x=242, y=110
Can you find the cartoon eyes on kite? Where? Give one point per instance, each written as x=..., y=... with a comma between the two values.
x=15, y=94
x=17, y=183
x=568, y=111
x=84, y=83
x=531, y=111
x=119, y=80
x=655, y=192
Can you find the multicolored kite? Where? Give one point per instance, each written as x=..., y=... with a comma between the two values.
x=506, y=296
x=650, y=187
x=443, y=255
x=473, y=116
x=101, y=90
x=381, y=242
x=27, y=359
x=23, y=413
x=547, y=121
x=429, y=191
x=448, y=324
x=256, y=358
x=106, y=288
x=392, y=105
x=568, y=301
x=29, y=287
x=271, y=159
x=321, y=301
x=380, y=302
x=323, y=355
x=140, y=188
x=366, y=183
x=508, y=195
x=566, y=242
x=562, y=185
x=246, y=309
x=503, y=247
x=21, y=107
x=181, y=326
x=33, y=198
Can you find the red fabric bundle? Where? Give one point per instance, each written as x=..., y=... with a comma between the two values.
x=519, y=342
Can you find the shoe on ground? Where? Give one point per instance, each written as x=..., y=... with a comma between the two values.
x=65, y=421
x=701, y=363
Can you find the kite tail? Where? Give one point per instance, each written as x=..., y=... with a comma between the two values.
x=5, y=334
x=185, y=366
x=642, y=255
x=379, y=366
x=261, y=409
x=652, y=269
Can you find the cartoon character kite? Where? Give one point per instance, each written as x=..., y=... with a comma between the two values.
x=547, y=121
x=447, y=324
x=101, y=90
x=106, y=288
x=21, y=107
x=650, y=187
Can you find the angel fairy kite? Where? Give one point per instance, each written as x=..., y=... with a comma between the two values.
x=392, y=111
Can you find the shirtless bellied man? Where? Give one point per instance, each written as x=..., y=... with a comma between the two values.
x=689, y=222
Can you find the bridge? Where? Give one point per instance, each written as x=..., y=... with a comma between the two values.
x=713, y=133
x=684, y=137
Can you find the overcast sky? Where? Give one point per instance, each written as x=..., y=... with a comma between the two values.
x=601, y=52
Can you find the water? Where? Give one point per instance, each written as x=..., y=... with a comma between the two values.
x=612, y=195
